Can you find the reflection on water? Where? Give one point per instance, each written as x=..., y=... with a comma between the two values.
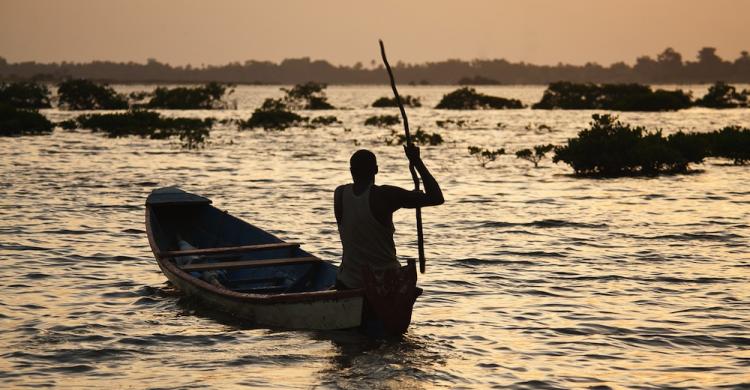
x=535, y=279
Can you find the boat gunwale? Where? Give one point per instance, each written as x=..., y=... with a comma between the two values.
x=245, y=297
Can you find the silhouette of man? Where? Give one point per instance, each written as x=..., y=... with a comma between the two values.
x=364, y=214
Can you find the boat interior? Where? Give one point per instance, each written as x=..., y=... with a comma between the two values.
x=215, y=246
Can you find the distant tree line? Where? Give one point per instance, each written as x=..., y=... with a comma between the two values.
x=668, y=67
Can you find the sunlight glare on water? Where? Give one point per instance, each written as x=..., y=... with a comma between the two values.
x=534, y=278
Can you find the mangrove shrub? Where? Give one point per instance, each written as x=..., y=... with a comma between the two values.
x=611, y=148
x=192, y=132
x=419, y=137
x=467, y=98
x=20, y=121
x=406, y=100
x=82, y=94
x=617, y=97
x=25, y=94
x=723, y=95
x=485, y=156
x=205, y=97
x=307, y=96
x=535, y=156
x=382, y=120
x=273, y=115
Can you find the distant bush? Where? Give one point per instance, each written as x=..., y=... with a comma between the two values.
x=25, y=94
x=273, y=115
x=732, y=142
x=307, y=96
x=617, y=97
x=469, y=99
x=325, y=120
x=477, y=80
x=537, y=155
x=611, y=148
x=456, y=123
x=419, y=137
x=722, y=95
x=382, y=120
x=191, y=132
x=485, y=156
x=82, y=94
x=18, y=121
x=205, y=97
x=406, y=100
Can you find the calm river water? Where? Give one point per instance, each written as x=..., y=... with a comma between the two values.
x=535, y=278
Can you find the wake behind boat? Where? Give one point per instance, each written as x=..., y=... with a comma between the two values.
x=243, y=270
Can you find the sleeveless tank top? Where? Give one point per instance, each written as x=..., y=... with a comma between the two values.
x=365, y=241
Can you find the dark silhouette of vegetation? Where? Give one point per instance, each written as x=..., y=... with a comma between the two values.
x=612, y=148
x=455, y=123
x=148, y=124
x=666, y=67
x=273, y=115
x=723, y=95
x=25, y=94
x=485, y=156
x=419, y=137
x=732, y=142
x=382, y=120
x=20, y=121
x=406, y=100
x=536, y=155
x=325, y=120
x=307, y=96
x=617, y=97
x=477, y=80
x=205, y=97
x=81, y=94
x=539, y=128
x=469, y=99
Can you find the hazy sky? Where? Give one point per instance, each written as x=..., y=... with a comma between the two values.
x=346, y=31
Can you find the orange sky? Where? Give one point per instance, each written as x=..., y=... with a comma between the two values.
x=346, y=31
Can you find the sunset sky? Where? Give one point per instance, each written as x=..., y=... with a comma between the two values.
x=344, y=32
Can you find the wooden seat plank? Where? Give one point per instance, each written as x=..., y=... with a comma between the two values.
x=249, y=263
x=228, y=250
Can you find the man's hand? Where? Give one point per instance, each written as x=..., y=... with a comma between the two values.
x=412, y=153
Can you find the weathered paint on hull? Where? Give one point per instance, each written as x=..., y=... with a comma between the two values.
x=320, y=314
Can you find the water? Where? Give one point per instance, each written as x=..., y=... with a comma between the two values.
x=535, y=279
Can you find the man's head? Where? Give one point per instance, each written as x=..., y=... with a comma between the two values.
x=363, y=165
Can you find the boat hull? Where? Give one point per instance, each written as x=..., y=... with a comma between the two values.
x=335, y=311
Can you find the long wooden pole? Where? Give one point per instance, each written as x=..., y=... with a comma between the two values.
x=415, y=178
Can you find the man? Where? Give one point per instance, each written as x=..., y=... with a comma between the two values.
x=364, y=214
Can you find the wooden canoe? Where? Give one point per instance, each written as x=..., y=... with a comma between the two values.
x=243, y=270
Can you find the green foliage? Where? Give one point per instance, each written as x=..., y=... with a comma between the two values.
x=537, y=155
x=406, y=100
x=383, y=120
x=307, y=96
x=722, y=95
x=469, y=99
x=273, y=115
x=191, y=132
x=82, y=94
x=618, y=97
x=25, y=94
x=485, y=156
x=18, y=121
x=205, y=97
x=420, y=137
x=611, y=148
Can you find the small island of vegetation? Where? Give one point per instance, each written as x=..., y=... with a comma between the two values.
x=617, y=97
x=469, y=99
x=25, y=94
x=20, y=121
x=204, y=97
x=406, y=100
x=82, y=94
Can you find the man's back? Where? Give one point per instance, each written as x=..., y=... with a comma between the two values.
x=364, y=213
